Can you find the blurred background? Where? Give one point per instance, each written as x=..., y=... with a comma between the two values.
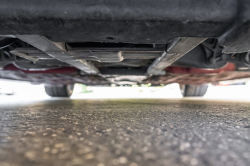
x=16, y=90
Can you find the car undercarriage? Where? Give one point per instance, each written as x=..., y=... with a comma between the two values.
x=99, y=43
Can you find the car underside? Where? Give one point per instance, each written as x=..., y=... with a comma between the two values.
x=99, y=43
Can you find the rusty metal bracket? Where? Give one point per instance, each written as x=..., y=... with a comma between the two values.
x=25, y=56
x=175, y=50
x=58, y=50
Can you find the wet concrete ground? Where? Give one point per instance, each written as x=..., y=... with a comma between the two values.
x=132, y=132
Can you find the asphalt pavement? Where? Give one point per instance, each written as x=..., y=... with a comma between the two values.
x=132, y=132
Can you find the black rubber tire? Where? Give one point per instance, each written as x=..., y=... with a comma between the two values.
x=59, y=91
x=193, y=90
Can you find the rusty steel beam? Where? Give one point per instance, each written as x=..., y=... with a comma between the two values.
x=176, y=49
x=57, y=50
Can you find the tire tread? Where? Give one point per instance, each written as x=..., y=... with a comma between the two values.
x=195, y=90
x=57, y=91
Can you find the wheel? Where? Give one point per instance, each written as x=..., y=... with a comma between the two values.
x=59, y=91
x=193, y=90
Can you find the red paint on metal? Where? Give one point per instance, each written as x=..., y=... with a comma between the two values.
x=63, y=70
x=183, y=70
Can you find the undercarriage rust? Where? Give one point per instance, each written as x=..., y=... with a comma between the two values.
x=196, y=78
x=183, y=75
x=57, y=76
x=54, y=76
x=183, y=70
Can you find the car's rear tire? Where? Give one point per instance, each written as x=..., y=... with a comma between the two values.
x=193, y=90
x=59, y=91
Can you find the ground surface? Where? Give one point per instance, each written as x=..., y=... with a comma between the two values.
x=133, y=132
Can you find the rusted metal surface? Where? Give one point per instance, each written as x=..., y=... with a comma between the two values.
x=196, y=78
x=183, y=70
x=69, y=75
x=56, y=50
x=54, y=78
x=63, y=70
x=178, y=48
x=97, y=80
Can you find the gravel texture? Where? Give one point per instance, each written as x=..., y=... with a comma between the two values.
x=131, y=132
